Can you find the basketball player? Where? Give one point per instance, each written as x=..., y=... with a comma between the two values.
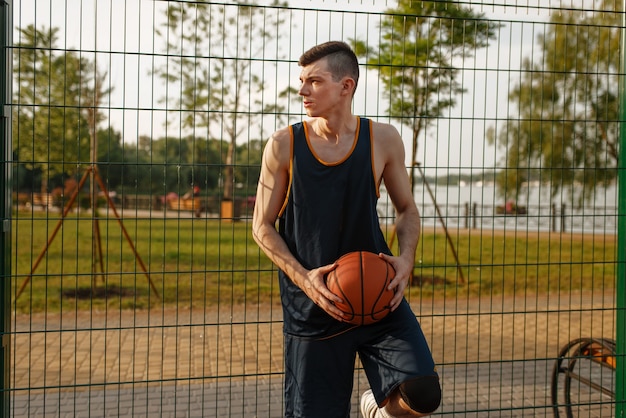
x=320, y=180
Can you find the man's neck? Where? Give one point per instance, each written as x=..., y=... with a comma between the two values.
x=332, y=129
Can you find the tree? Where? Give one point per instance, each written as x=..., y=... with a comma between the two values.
x=419, y=42
x=178, y=163
x=212, y=54
x=162, y=165
x=111, y=157
x=566, y=129
x=249, y=168
x=55, y=93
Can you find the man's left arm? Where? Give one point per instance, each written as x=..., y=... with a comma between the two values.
x=408, y=220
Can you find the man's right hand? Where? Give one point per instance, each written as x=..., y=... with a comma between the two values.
x=314, y=285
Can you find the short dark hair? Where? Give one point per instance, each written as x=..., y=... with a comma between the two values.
x=341, y=59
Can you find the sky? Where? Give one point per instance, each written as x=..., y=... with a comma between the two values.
x=123, y=34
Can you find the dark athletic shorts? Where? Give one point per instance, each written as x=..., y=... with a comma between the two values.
x=319, y=372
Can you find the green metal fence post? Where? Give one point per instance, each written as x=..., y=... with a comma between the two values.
x=6, y=21
x=620, y=329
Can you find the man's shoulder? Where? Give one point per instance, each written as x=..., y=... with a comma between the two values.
x=383, y=127
x=384, y=132
x=282, y=135
x=278, y=147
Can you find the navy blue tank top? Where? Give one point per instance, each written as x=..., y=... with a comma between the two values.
x=330, y=210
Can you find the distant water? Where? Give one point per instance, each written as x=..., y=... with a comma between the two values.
x=533, y=195
x=475, y=206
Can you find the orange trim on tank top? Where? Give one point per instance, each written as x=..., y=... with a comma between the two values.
x=282, y=209
x=376, y=181
x=317, y=157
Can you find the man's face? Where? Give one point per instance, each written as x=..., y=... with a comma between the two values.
x=320, y=92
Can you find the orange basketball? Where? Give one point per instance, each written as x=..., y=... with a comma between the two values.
x=361, y=279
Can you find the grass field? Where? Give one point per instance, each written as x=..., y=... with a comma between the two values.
x=196, y=262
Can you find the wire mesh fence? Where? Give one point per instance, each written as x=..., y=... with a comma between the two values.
x=137, y=134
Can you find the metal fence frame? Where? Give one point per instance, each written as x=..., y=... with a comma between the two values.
x=5, y=204
x=620, y=383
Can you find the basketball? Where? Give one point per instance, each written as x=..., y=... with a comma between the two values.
x=361, y=279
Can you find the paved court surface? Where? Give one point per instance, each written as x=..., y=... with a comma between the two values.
x=495, y=358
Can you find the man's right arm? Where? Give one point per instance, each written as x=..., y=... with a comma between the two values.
x=271, y=194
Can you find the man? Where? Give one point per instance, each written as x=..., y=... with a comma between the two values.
x=320, y=179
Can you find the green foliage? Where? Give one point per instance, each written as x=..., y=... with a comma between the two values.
x=248, y=164
x=212, y=70
x=163, y=165
x=58, y=91
x=50, y=130
x=158, y=166
x=58, y=94
x=566, y=131
x=419, y=42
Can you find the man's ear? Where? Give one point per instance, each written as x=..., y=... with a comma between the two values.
x=348, y=84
